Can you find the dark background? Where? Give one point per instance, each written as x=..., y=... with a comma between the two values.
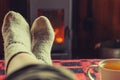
x=93, y=21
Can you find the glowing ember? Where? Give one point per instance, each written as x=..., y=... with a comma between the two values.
x=59, y=40
x=59, y=35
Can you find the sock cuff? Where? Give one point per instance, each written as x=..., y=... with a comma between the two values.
x=13, y=49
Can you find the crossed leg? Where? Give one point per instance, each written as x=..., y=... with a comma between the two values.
x=18, y=49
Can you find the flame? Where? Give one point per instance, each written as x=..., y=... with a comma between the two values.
x=59, y=40
x=59, y=35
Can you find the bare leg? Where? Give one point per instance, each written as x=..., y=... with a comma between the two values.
x=42, y=39
x=21, y=60
x=17, y=43
x=41, y=72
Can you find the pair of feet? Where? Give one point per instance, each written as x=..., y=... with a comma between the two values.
x=18, y=38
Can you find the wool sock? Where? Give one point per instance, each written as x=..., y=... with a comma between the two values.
x=16, y=35
x=42, y=39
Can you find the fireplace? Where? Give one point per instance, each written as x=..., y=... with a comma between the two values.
x=59, y=13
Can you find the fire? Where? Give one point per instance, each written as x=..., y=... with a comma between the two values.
x=59, y=40
x=59, y=35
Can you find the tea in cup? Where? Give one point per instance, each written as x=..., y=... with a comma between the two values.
x=109, y=69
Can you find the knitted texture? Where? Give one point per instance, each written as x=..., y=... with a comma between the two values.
x=42, y=39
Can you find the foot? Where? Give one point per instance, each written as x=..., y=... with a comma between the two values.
x=16, y=35
x=42, y=39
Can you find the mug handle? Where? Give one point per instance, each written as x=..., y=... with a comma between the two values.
x=88, y=71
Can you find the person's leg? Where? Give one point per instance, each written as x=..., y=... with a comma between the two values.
x=21, y=60
x=17, y=43
x=42, y=39
x=18, y=54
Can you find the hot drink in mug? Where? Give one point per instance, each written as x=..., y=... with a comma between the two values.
x=109, y=69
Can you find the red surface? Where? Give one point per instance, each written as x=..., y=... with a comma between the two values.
x=79, y=67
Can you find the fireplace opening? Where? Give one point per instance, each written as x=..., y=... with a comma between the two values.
x=56, y=17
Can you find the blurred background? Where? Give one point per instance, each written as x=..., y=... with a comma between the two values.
x=81, y=27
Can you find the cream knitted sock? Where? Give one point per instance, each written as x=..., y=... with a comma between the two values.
x=16, y=35
x=42, y=39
